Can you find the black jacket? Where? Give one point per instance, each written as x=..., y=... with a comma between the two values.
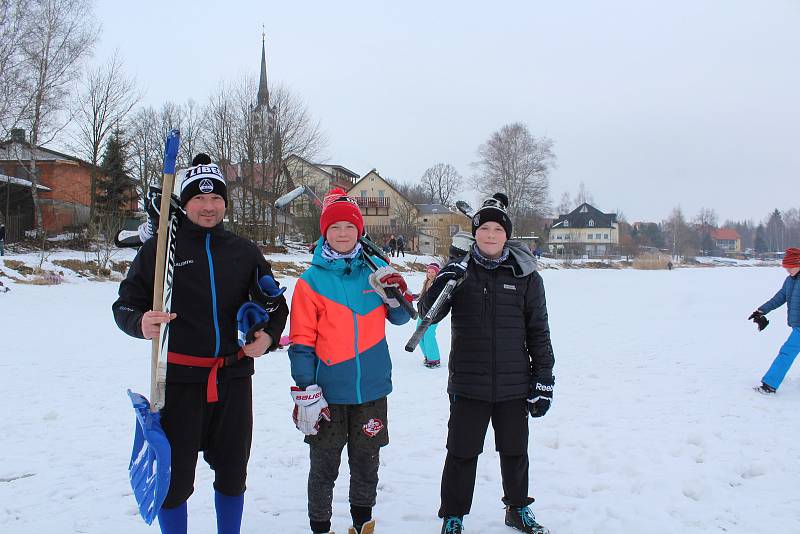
x=500, y=334
x=206, y=307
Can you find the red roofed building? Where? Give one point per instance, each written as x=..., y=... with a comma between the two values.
x=727, y=239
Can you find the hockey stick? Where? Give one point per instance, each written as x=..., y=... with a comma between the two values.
x=443, y=297
x=464, y=208
x=149, y=468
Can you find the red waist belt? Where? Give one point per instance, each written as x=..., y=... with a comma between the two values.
x=214, y=363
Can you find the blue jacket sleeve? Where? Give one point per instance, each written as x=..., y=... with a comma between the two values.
x=778, y=300
x=303, y=361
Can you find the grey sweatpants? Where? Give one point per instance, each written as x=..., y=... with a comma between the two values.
x=363, y=428
x=363, y=462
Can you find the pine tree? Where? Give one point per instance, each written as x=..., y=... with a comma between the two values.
x=760, y=242
x=114, y=187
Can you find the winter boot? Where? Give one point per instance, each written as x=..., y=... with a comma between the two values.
x=765, y=389
x=366, y=528
x=321, y=527
x=431, y=364
x=173, y=520
x=522, y=519
x=229, y=513
x=452, y=525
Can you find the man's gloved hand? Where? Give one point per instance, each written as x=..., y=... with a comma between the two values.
x=451, y=271
x=540, y=396
x=760, y=319
x=310, y=408
x=385, y=277
x=153, y=208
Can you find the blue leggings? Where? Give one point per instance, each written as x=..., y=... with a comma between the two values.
x=784, y=360
x=428, y=343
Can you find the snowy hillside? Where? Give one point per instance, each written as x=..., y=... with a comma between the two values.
x=654, y=428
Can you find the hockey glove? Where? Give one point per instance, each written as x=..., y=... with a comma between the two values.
x=249, y=319
x=265, y=291
x=153, y=208
x=385, y=277
x=451, y=271
x=310, y=408
x=760, y=319
x=540, y=396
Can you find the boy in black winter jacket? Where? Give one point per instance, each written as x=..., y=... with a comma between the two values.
x=501, y=365
x=208, y=407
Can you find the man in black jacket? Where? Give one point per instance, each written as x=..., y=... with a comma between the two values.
x=207, y=408
x=501, y=365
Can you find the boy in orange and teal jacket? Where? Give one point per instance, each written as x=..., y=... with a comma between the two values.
x=340, y=362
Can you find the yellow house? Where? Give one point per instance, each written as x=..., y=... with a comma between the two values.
x=386, y=211
x=436, y=225
x=585, y=230
x=320, y=178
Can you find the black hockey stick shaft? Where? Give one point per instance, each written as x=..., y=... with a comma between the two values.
x=427, y=320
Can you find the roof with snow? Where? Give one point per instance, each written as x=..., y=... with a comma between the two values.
x=433, y=209
x=21, y=181
x=586, y=216
x=11, y=150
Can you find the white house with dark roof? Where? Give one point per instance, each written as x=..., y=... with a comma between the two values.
x=585, y=230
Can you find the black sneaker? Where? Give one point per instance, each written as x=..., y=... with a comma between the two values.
x=452, y=525
x=764, y=389
x=431, y=364
x=522, y=519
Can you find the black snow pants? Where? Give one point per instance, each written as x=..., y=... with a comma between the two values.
x=469, y=419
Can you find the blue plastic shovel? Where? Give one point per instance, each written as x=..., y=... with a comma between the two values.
x=149, y=468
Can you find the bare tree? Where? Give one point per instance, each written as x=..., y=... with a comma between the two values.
x=682, y=238
x=705, y=221
x=518, y=164
x=14, y=99
x=442, y=182
x=218, y=136
x=144, y=144
x=189, y=122
x=565, y=205
x=583, y=196
x=59, y=36
x=107, y=96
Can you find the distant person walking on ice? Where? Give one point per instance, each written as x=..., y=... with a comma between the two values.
x=401, y=246
x=500, y=368
x=430, y=349
x=340, y=363
x=789, y=294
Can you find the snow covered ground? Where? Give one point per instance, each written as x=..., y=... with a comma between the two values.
x=654, y=427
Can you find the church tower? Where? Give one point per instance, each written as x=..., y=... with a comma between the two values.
x=263, y=113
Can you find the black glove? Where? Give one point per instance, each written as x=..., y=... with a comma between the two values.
x=451, y=271
x=760, y=319
x=153, y=208
x=540, y=396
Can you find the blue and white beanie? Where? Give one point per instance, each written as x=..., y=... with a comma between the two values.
x=494, y=209
x=201, y=178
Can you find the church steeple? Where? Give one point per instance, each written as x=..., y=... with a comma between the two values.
x=263, y=90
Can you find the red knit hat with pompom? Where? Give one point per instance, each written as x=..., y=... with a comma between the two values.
x=791, y=258
x=337, y=206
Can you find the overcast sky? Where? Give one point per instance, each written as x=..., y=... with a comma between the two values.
x=652, y=104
